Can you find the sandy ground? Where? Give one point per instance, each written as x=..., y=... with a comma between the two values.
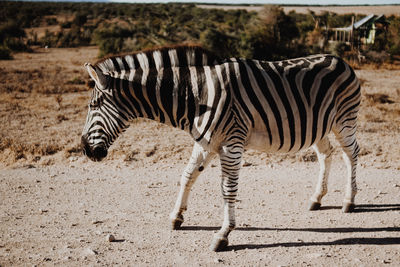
x=57, y=207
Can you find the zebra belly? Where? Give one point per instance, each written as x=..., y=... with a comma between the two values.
x=259, y=140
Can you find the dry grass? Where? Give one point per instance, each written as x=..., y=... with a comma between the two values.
x=14, y=150
x=43, y=104
x=43, y=100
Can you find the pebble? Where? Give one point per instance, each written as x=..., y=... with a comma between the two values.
x=43, y=211
x=247, y=164
x=110, y=238
x=89, y=251
x=72, y=159
x=218, y=260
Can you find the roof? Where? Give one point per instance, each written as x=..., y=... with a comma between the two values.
x=361, y=22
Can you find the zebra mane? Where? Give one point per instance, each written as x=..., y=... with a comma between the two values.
x=167, y=56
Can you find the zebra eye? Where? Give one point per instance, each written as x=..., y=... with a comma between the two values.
x=95, y=104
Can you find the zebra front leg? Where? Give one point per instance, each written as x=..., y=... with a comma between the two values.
x=324, y=150
x=230, y=166
x=198, y=161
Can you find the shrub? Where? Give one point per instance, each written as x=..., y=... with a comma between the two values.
x=110, y=39
x=11, y=37
x=340, y=49
x=220, y=43
x=5, y=53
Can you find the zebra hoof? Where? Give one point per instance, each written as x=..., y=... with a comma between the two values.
x=177, y=222
x=314, y=206
x=176, y=225
x=348, y=207
x=219, y=244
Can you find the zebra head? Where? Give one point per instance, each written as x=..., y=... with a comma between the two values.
x=105, y=119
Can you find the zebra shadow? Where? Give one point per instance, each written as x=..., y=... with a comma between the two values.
x=344, y=241
x=368, y=207
x=286, y=229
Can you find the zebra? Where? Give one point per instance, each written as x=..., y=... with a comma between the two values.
x=227, y=106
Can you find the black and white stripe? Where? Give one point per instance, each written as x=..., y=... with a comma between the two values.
x=226, y=106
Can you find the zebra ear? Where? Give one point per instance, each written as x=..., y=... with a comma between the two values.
x=98, y=77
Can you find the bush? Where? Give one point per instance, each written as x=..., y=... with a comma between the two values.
x=377, y=57
x=340, y=49
x=5, y=53
x=11, y=38
x=272, y=37
x=110, y=39
x=220, y=43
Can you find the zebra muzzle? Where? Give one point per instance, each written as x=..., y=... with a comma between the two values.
x=95, y=153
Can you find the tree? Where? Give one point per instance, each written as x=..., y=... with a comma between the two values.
x=272, y=37
x=110, y=39
x=11, y=39
x=394, y=36
x=221, y=44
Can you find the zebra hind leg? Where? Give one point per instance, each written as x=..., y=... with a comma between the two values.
x=230, y=157
x=324, y=151
x=350, y=147
x=198, y=161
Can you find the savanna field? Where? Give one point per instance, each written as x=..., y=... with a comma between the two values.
x=57, y=207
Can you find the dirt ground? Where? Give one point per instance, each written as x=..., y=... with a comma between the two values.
x=57, y=207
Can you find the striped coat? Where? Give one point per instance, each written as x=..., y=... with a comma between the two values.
x=228, y=105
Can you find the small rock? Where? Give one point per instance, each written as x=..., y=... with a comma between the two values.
x=43, y=211
x=97, y=222
x=217, y=260
x=110, y=238
x=247, y=164
x=90, y=251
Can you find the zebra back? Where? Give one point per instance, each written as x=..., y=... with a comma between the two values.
x=164, y=57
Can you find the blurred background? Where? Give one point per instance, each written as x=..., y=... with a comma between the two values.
x=268, y=32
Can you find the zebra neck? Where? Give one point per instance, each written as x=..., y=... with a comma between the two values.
x=159, y=95
x=189, y=98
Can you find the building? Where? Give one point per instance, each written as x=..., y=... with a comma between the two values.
x=362, y=32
